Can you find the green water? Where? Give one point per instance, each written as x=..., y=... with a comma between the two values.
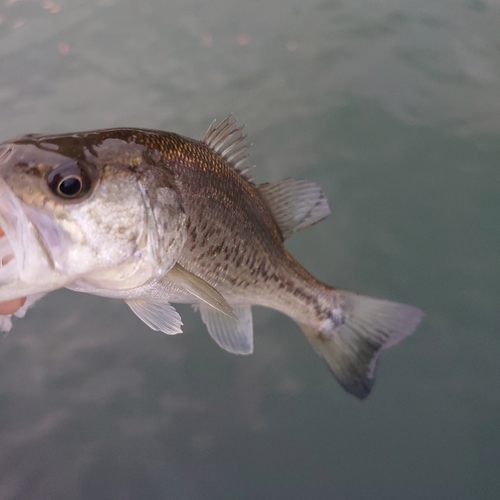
x=393, y=106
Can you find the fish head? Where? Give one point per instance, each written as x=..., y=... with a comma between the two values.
x=86, y=207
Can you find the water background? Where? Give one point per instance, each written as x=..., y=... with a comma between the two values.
x=393, y=107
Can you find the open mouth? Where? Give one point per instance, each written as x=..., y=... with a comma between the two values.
x=11, y=222
x=8, y=272
x=32, y=248
x=30, y=244
x=8, y=264
x=19, y=248
x=6, y=253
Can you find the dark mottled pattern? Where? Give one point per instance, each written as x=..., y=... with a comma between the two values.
x=233, y=240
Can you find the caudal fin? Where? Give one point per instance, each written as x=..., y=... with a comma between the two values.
x=352, y=344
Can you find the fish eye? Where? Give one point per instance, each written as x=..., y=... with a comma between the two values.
x=70, y=186
x=69, y=180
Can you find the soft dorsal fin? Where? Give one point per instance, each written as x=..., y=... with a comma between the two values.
x=228, y=140
x=295, y=204
x=233, y=335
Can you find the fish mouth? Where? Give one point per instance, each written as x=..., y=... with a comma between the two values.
x=8, y=263
x=24, y=254
x=13, y=225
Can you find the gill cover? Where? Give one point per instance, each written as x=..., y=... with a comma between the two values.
x=138, y=199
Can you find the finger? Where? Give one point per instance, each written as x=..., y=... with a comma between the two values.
x=11, y=306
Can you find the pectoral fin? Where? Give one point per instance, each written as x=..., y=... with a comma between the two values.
x=200, y=289
x=233, y=335
x=158, y=316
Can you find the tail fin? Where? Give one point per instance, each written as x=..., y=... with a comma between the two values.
x=352, y=345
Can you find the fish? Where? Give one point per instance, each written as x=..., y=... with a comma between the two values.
x=155, y=218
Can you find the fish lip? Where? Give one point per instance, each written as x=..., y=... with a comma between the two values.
x=14, y=224
x=21, y=248
x=8, y=263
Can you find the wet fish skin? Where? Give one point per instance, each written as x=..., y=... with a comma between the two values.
x=233, y=241
x=106, y=227
x=214, y=238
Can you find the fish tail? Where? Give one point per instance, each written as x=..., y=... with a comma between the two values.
x=358, y=329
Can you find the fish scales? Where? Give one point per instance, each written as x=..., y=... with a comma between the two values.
x=233, y=242
x=153, y=217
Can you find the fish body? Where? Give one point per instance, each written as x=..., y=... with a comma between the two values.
x=156, y=218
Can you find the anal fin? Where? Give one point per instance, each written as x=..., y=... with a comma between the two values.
x=233, y=335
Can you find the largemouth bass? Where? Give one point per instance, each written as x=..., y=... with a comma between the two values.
x=155, y=218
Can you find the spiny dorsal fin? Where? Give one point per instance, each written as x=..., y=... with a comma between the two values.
x=228, y=140
x=295, y=204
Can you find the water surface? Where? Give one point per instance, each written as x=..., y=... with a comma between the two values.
x=393, y=107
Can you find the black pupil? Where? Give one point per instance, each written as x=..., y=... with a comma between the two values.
x=70, y=180
x=70, y=186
